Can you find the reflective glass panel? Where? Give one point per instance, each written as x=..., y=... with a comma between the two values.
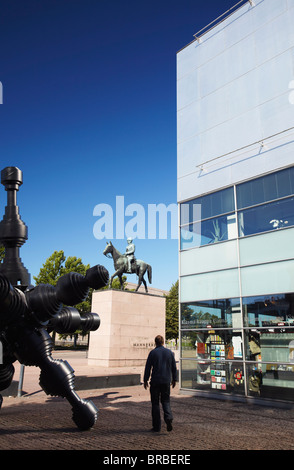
x=218, y=229
x=270, y=345
x=215, y=313
x=208, y=231
x=272, y=381
x=274, y=215
x=210, y=205
x=216, y=345
x=224, y=377
x=191, y=236
x=266, y=188
x=269, y=310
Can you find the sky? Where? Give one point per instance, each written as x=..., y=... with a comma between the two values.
x=89, y=115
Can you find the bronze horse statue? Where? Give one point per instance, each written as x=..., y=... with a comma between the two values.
x=120, y=262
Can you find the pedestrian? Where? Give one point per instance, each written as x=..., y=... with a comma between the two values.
x=163, y=365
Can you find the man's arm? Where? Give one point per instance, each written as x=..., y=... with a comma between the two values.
x=174, y=370
x=147, y=371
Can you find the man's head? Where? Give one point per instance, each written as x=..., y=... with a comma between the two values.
x=159, y=341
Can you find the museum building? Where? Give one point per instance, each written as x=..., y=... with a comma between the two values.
x=235, y=183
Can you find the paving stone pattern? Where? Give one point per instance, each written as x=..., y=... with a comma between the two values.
x=39, y=422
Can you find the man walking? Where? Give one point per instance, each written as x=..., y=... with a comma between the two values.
x=162, y=362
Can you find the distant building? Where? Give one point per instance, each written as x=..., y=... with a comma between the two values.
x=151, y=290
x=235, y=108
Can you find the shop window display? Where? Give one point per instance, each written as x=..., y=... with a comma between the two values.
x=216, y=365
x=269, y=337
x=271, y=373
x=224, y=353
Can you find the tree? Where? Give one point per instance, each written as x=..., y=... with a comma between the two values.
x=172, y=313
x=2, y=253
x=116, y=283
x=56, y=266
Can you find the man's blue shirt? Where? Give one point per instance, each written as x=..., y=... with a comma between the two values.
x=162, y=362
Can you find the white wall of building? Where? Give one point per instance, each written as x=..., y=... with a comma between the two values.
x=233, y=91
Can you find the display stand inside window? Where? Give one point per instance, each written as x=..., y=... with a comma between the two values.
x=203, y=369
x=218, y=376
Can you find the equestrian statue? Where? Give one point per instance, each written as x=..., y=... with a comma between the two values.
x=127, y=264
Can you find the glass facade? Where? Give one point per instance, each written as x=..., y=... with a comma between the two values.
x=257, y=206
x=248, y=354
x=243, y=345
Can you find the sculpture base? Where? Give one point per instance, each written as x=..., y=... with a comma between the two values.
x=129, y=323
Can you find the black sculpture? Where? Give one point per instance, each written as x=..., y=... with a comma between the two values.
x=28, y=314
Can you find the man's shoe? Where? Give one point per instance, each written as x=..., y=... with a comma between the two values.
x=154, y=430
x=169, y=425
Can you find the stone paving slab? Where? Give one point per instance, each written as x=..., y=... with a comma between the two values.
x=39, y=422
x=36, y=421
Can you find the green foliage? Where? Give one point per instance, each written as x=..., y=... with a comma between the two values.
x=2, y=252
x=172, y=312
x=116, y=283
x=56, y=266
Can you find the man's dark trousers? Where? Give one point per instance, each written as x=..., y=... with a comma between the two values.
x=160, y=392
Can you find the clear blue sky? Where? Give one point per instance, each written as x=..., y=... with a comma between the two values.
x=89, y=113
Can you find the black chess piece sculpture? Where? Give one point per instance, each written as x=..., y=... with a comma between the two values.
x=28, y=314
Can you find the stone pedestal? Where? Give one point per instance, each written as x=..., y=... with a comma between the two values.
x=129, y=323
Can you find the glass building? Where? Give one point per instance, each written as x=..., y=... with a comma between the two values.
x=235, y=112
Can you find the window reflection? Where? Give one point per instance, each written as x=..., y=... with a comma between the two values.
x=209, y=231
x=271, y=373
x=226, y=377
x=208, y=206
x=271, y=310
x=263, y=204
x=269, y=345
x=266, y=188
x=275, y=215
x=216, y=313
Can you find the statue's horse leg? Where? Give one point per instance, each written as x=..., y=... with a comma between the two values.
x=141, y=279
x=119, y=272
x=121, y=281
x=145, y=284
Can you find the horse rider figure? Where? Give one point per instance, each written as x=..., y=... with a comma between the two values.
x=130, y=250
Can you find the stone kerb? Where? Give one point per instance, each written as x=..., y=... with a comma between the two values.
x=129, y=323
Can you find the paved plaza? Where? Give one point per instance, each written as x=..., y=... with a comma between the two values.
x=36, y=421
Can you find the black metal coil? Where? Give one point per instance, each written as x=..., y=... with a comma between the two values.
x=72, y=288
x=70, y=320
x=42, y=302
x=12, y=302
x=6, y=375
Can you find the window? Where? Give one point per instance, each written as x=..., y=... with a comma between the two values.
x=266, y=188
x=253, y=356
x=212, y=313
x=211, y=360
x=211, y=205
x=208, y=219
x=274, y=215
x=266, y=203
x=263, y=204
x=269, y=310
